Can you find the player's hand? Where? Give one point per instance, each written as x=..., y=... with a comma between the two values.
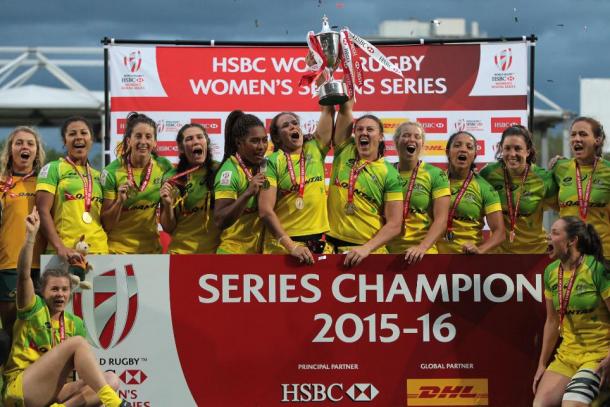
x=256, y=183
x=32, y=223
x=302, y=253
x=166, y=193
x=123, y=191
x=470, y=248
x=603, y=370
x=356, y=255
x=537, y=377
x=415, y=254
x=554, y=160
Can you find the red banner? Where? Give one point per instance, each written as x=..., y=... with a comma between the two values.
x=449, y=331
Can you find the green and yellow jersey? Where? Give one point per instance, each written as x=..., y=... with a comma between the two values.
x=586, y=324
x=17, y=203
x=539, y=190
x=32, y=335
x=430, y=183
x=598, y=213
x=137, y=230
x=479, y=200
x=376, y=184
x=313, y=218
x=245, y=235
x=60, y=179
x=195, y=229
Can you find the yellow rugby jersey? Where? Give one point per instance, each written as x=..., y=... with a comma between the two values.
x=598, y=213
x=538, y=190
x=32, y=335
x=430, y=183
x=195, y=229
x=137, y=230
x=480, y=199
x=245, y=235
x=586, y=325
x=60, y=179
x=17, y=203
x=313, y=218
x=376, y=184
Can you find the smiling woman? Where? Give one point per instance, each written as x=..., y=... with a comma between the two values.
x=69, y=195
x=131, y=190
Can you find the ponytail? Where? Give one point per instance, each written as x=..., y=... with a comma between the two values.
x=589, y=241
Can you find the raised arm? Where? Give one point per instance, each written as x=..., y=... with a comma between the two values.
x=25, y=285
x=344, y=125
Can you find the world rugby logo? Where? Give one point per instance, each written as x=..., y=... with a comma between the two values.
x=110, y=308
x=133, y=61
x=504, y=59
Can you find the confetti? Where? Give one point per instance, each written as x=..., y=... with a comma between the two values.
x=559, y=25
x=585, y=28
x=334, y=27
x=256, y=23
x=435, y=22
x=321, y=258
x=516, y=19
x=550, y=81
x=340, y=5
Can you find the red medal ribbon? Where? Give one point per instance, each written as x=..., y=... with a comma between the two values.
x=513, y=211
x=458, y=198
x=87, y=183
x=353, y=176
x=8, y=184
x=62, y=329
x=175, y=178
x=245, y=169
x=293, y=180
x=564, y=301
x=583, y=204
x=407, y=201
x=316, y=48
x=146, y=179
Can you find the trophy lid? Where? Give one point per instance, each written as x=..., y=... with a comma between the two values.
x=326, y=26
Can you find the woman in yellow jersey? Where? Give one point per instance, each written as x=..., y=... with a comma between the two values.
x=584, y=181
x=237, y=184
x=293, y=207
x=186, y=196
x=365, y=194
x=21, y=159
x=50, y=342
x=473, y=201
x=69, y=195
x=426, y=196
x=577, y=292
x=524, y=190
x=131, y=190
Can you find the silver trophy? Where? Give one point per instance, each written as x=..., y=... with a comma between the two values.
x=332, y=92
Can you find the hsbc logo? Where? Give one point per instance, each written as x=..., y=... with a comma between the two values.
x=133, y=61
x=499, y=124
x=504, y=59
x=110, y=308
x=133, y=376
x=212, y=126
x=433, y=124
x=121, y=124
x=167, y=149
x=334, y=393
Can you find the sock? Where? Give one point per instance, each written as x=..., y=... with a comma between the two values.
x=108, y=397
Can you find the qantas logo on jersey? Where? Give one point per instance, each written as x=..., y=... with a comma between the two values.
x=110, y=308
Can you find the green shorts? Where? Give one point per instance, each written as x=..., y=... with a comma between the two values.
x=8, y=283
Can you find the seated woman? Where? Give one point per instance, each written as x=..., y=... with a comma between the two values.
x=238, y=181
x=472, y=201
x=131, y=190
x=524, y=189
x=49, y=343
x=426, y=196
x=365, y=194
x=577, y=292
x=186, y=195
x=293, y=206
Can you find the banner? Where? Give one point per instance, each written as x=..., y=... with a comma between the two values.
x=480, y=88
x=247, y=331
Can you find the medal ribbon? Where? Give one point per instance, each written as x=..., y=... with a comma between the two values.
x=293, y=180
x=174, y=180
x=353, y=177
x=146, y=179
x=245, y=169
x=513, y=211
x=87, y=183
x=407, y=201
x=458, y=198
x=320, y=65
x=8, y=184
x=62, y=328
x=583, y=204
x=564, y=301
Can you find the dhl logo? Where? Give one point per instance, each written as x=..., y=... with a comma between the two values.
x=437, y=147
x=389, y=125
x=447, y=392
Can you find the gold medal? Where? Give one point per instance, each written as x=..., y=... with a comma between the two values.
x=350, y=208
x=299, y=203
x=87, y=217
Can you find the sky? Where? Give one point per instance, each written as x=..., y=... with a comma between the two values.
x=573, y=35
